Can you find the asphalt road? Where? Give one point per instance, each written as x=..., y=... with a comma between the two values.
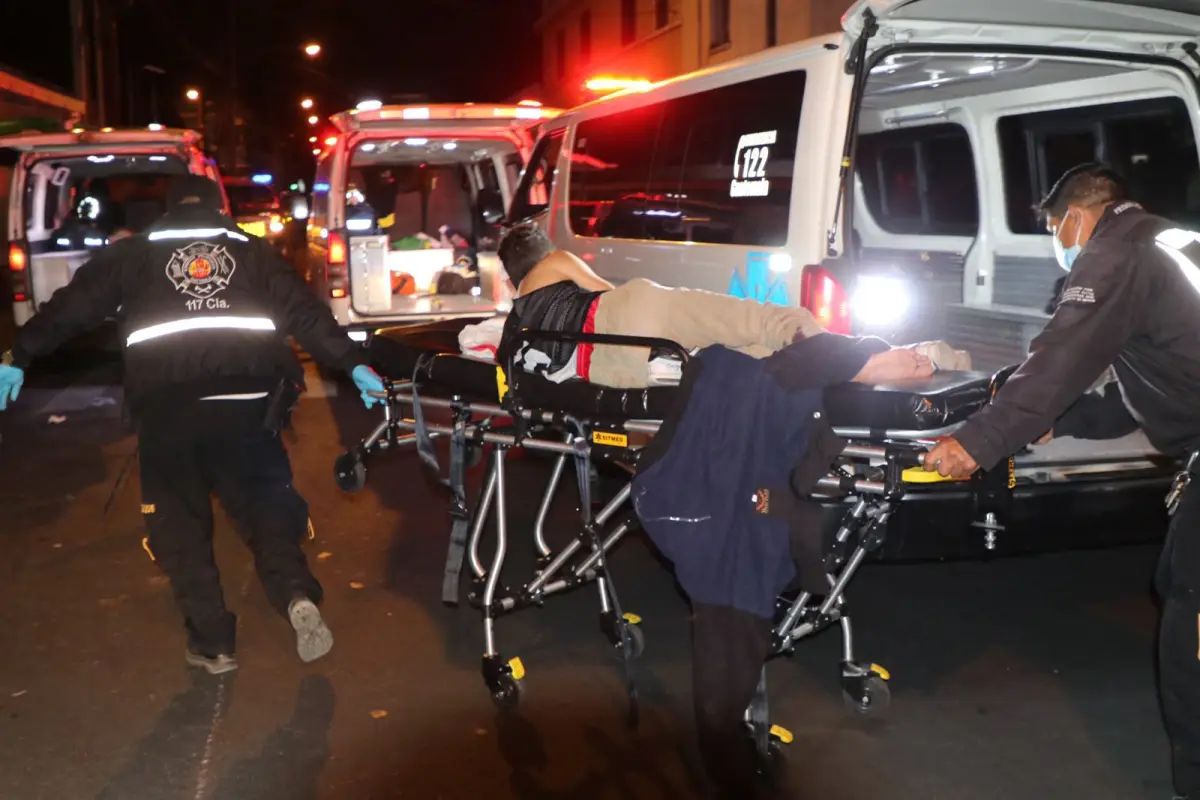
x=1025, y=679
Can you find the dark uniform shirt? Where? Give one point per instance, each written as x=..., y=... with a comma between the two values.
x=203, y=309
x=1131, y=301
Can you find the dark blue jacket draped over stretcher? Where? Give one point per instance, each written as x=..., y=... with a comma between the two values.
x=727, y=455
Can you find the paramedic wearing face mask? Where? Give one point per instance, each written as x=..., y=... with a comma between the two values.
x=1132, y=301
x=209, y=382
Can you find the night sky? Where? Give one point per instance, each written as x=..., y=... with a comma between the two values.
x=392, y=50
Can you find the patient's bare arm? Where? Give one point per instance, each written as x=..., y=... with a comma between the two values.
x=897, y=364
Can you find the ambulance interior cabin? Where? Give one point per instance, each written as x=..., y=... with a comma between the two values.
x=438, y=202
x=953, y=154
x=75, y=206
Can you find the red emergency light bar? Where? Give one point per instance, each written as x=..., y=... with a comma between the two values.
x=604, y=84
x=445, y=111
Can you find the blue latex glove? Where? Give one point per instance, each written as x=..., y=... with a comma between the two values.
x=367, y=380
x=11, y=379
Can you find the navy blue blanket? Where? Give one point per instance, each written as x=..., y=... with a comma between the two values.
x=730, y=449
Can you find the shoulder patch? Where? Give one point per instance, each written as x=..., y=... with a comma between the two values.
x=1078, y=294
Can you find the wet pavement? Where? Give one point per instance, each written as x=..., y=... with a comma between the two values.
x=1028, y=678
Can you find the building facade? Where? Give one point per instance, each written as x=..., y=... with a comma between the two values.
x=658, y=39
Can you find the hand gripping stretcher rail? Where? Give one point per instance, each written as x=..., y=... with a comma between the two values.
x=886, y=430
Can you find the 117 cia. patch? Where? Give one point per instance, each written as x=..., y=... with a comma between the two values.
x=201, y=269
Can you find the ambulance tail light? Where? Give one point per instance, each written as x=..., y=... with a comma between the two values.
x=826, y=298
x=335, y=266
x=18, y=260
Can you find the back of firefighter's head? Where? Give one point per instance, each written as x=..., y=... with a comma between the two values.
x=522, y=249
x=194, y=193
x=1075, y=204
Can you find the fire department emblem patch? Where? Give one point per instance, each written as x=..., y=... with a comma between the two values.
x=201, y=270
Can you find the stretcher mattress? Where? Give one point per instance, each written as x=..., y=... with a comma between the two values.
x=943, y=400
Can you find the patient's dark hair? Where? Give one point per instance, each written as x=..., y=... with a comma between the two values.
x=1091, y=184
x=521, y=249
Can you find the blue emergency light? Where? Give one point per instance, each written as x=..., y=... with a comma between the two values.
x=262, y=178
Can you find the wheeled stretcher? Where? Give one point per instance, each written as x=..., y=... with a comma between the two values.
x=433, y=392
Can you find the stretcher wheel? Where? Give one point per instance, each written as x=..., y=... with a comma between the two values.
x=350, y=473
x=506, y=694
x=637, y=642
x=868, y=696
x=503, y=679
x=768, y=761
x=611, y=627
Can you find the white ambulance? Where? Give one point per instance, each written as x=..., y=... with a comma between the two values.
x=71, y=192
x=406, y=206
x=885, y=178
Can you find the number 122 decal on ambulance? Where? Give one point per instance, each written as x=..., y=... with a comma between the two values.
x=884, y=178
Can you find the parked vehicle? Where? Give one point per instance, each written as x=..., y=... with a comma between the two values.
x=255, y=206
x=884, y=178
x=73, y=192
x=403, y=224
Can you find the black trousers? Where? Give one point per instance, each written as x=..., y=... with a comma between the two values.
x=1178, y=583
x=729, y=648
x=221, y=447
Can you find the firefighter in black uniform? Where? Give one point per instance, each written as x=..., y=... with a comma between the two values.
x=1131, y=300
x=210, y=381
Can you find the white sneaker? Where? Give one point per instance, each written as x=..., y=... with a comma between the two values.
x=313, y=637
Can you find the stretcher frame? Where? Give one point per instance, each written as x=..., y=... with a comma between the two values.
x=509, y=424
x=862, y=530
x=868, y=500
x=868, y=504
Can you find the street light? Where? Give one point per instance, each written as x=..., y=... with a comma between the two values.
x=313, y=120
x=193, y=95
x=312, y=49
x=306, y=103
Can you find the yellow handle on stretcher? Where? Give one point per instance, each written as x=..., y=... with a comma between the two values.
x=919, y=475
x=501, y=383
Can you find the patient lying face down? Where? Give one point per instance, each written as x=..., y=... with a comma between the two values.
x=557, y=291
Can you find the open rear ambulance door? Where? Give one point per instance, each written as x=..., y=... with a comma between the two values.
x=371, y=263
x=1162, y=30
x=35, y=146
x=1167, y=28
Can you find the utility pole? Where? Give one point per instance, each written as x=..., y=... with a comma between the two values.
x=157, y=72
x=79, y=51
x=237, y=130
x=98, y=44
x=115, y=71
